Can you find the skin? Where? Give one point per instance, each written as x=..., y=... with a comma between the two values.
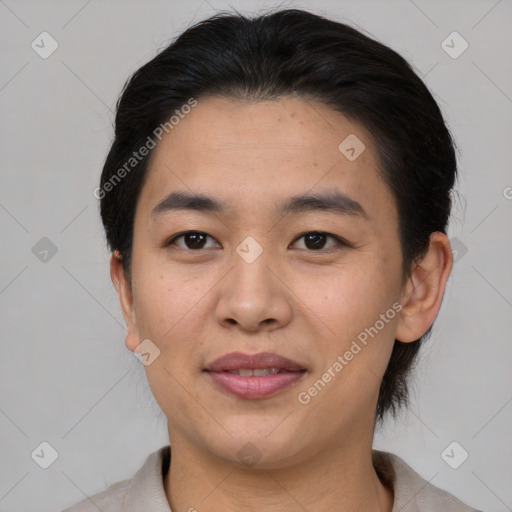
x=306, y=304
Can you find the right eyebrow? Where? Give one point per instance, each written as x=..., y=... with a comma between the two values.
x=185, y=201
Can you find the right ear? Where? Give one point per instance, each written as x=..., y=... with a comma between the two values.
x=124, y=293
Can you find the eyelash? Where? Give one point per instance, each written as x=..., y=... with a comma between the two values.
x=339, y=241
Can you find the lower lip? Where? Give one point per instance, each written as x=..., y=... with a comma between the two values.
x=254, y=387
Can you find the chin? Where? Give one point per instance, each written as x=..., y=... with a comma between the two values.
x=264, y=447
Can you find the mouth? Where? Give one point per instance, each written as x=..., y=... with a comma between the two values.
x=254, y=376
x=256, y=372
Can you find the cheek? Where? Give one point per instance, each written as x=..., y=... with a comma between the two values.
x=352, y=300
x=164, y=301
x=351, y=304
x=171, y=310
x=355, y=350
x=173, y=307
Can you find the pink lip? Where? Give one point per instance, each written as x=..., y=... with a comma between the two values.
x=238, y=360
x=255, y=386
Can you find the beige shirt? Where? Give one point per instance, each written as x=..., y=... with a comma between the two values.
x=144, y=492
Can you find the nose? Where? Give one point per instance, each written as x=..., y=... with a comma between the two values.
x=253, y=298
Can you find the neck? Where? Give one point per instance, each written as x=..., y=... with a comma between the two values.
x=338, y=478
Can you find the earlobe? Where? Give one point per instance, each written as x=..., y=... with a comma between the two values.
x=125, y=296
x=424, y=289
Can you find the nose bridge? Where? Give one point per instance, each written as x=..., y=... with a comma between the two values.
x=252, y=296
x=251, y=262
x=250, y=250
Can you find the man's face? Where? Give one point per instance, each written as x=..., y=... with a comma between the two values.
x=303, y=283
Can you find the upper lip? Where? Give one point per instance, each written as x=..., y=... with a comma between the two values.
x=238, y=360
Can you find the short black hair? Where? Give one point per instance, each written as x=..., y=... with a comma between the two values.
x=295, y=53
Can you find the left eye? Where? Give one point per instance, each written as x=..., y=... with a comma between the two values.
x=316, y=240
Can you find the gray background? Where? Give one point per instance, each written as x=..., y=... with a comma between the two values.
x=66, y=376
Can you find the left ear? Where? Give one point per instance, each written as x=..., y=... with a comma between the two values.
x=423, y=292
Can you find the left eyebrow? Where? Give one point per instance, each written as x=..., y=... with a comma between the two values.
x=334, y=201
x=328, y=201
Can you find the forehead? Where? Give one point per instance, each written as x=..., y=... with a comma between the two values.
x=256, y=153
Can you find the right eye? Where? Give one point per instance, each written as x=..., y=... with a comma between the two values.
x=192, y=240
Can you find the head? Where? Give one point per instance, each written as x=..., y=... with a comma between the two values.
x=251, y=114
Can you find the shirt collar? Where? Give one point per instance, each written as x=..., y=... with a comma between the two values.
x=411, y=491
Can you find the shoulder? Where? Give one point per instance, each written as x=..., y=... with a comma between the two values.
x=145, y=490
x=412, y=492
x=112, y=499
